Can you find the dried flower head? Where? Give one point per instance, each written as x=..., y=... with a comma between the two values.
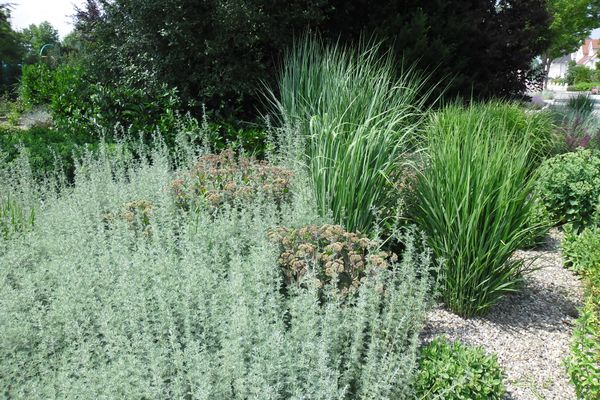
x=222, y=178
x=331, y=252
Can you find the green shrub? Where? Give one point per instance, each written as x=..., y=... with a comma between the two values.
x=193, y=310
x=46, y=147
x=579, y=74
x=473, y=201
x=569, y=186
x=455, y=371
x=359, y=120
x=583, y=86
x=583, y=104
x=582, y=254
x=582, y=365
x=80, y=106
x=581, y=251
x=253, y=140
x=37, y=84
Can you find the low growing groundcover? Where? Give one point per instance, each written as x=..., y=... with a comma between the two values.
x=116, y=291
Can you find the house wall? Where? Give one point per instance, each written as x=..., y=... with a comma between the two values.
x=557, y=70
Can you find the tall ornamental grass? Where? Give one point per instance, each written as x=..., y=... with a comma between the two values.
x=358, y=116
x=117, y=292
x=474, y=203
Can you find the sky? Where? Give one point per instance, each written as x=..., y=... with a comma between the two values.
x=57, y=12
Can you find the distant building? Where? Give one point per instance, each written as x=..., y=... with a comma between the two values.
x=558, y=68
x=588, y=55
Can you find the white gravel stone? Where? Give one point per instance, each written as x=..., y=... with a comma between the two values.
x=529, y=331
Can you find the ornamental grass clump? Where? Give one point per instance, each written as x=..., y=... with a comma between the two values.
x=195, y=310
x=358, y=117
x=224, y=178
x=475, y=205
x=330, y=253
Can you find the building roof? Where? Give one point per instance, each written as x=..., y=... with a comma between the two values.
x=563, y=59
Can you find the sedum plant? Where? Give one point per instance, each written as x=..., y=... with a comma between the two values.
x=451, y=370
x=330, y=253
x=194, y=310
x=582, y=254
x=569, y=187
x=474, y=202
x=358, y=118
x=224, y=178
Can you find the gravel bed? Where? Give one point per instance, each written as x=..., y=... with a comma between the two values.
x=530, y=331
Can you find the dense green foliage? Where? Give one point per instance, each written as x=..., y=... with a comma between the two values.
x=474, y=46
x=582, y=254
x=569, y=185
x=191, y=306
x=80, y=106
x=584, y=86
x=578, y=74
x=455, y=371
x=572, y=22
x=47, y=148
x=10, y=49
x=473, y=200
x=582, y=250
x=35, y=37
x=37, y=84
x=359, y=121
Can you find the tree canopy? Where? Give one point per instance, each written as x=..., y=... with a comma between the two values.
x=10, y=49
x=34, y=37
x=221, y=52
x=572, y=21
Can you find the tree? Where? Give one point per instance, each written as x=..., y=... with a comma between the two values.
x=34, y=37
x=221, y=52
x=10, y=48
x=572, y=22
x=10, y=51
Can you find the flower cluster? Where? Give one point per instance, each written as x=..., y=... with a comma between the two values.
x=331, y=252
x=225, y=178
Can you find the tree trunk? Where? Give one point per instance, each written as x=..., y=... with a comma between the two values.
x=546, y=62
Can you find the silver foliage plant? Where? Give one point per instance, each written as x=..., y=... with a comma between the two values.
x=192, y=307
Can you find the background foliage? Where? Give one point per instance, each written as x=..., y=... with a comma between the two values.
x=475, y=47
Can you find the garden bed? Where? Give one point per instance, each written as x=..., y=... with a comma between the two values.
x=529, y=331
